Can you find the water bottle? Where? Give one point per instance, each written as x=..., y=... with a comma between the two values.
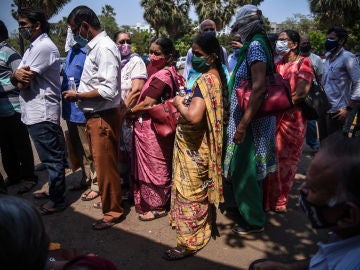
x=72, y=84
x=187, y=98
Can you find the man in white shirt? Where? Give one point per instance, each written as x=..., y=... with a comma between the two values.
x=98, y=96
x=38, y=78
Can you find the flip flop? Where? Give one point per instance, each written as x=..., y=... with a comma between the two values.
x=52, y=209
x=103, y=224
x=174, y=254
x=26, y=186
x=156, y=215
x=85, y=197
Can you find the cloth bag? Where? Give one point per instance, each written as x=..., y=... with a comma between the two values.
x=277, y=98
x=316, y=103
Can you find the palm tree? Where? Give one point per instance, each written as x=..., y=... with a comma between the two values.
x=220, y=11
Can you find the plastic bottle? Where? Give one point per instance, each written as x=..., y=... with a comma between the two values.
x=72, y=84
x=187, y=98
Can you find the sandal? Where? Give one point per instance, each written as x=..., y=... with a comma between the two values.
x=156, y=215
x=51, y=208
x=103, y=224
x=176, y=253
x=26, y=186
x=86, y=197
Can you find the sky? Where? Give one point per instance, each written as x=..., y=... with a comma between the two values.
x=130, y=12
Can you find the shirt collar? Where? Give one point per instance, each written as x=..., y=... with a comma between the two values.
x=37, y=40
x=92, y=43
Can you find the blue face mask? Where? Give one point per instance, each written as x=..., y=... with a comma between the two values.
x=79, y=39
x=331, y=44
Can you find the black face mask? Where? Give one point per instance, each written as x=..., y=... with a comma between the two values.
x=314, y=213
x=305, y=48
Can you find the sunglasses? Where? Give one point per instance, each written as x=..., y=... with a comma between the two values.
x=124, y=41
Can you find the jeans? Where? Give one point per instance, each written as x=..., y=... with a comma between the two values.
x=50, y=144
x=311, y=134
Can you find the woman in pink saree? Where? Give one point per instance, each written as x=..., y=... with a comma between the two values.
x=152, y=157
x=290, y=125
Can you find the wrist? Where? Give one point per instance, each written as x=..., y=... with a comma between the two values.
x=77, y=96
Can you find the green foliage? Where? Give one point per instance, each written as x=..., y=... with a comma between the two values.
x=317, y=39
x=140, y=42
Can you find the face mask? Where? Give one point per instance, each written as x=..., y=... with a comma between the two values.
x=199, y=64
x=282, y=47
x=25, y=32
x=305, y=48
x=313, y=213
x=79, y=39
x=124, y=49
x=331, y=44
x=157, y=61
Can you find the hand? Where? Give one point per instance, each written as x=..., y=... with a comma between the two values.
x=235, y=44
x=24, y=74
x=131, y=99
x=240, y=134
x=178, y=100
x=341, y=115
x=70, y=95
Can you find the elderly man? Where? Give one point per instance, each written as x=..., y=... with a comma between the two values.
x=206, y=26
x=330, y=199
x=98, y=96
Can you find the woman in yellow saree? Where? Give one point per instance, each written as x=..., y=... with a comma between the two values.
x=197, y=180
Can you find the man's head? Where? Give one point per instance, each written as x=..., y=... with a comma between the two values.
x=305, y=46
x=32, y=23
x=331, y=194
x=84, y=24
x=207, y=26
x=336, y=39
x=4, y=34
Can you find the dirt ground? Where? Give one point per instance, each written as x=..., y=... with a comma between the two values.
x=133, y=244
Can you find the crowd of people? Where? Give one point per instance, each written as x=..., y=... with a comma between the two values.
x=106, y=95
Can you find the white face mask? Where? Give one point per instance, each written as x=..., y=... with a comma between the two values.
x=282, y=47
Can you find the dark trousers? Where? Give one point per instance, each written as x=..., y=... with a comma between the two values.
x=16, y=151
x=50, y=144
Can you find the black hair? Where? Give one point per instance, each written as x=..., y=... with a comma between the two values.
x=294, y=37
x=167, y=48
x=341, y=33
x=346, y=157
x=23, y=241
x=35, y=15
x=210, y=44
x=84, y=13
x=119, y=33
x=3, y=31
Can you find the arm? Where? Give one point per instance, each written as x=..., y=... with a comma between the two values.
x=136, y=86
x=72, y=95
x=22, y=77
x=258, y=91
x=194, y=113
x=302, y=89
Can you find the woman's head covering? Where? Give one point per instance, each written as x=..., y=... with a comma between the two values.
x=248, y=21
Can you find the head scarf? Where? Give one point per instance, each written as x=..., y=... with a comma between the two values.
x=248, y=21
x=69, y=40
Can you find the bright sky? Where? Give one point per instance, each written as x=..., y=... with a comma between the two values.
x=130, y=12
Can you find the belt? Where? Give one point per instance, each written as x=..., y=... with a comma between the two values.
x=100, y=114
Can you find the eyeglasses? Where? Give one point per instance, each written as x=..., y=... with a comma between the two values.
x=127, y=41
x=209, y=29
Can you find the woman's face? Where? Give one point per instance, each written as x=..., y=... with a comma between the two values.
x=157, y=57
x=156, y=50
x=197, y=51
x=291, y=44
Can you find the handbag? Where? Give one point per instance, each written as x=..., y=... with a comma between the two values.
x=277, y=98
x=316, y=103
x=164, y=116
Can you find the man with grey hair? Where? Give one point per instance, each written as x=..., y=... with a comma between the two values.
x=330, y=198
x=205, y=26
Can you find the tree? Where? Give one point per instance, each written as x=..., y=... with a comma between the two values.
x=107, y=20
x=220, y=11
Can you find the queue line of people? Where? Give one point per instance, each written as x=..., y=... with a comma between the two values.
x=250, y=153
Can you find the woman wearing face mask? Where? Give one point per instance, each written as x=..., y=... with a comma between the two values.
x=197, y=178
x=133, y=77
x=250, y=141
x=290, y=125
x=152, y=155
